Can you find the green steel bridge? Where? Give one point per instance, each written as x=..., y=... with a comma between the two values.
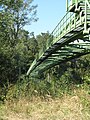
x=70, y=38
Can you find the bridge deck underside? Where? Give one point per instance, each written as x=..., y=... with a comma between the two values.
x=66, y=53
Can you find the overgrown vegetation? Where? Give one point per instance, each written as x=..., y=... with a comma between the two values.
x=18, y=48
x=76, y=106
x=60, y=80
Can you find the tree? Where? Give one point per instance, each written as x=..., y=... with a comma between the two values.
x=14, y=52
x=42, y=40
x=16, y=14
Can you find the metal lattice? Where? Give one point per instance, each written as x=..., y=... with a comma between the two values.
x=69, y=39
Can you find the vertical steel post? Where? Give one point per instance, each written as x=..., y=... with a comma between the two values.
x=63, y=26
x=74, y=20
x=76, y=2
x=66, y=5
x=70, y=22
x=66, y=22
x=85, y=26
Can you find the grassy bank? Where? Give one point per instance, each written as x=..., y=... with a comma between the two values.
x=68, y=107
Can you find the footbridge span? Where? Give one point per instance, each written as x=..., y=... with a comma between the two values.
x=70, y=38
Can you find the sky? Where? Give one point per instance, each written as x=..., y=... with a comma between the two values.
x=49, y=12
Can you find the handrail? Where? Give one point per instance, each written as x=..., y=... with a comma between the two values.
x=60, y=22
x=57, y=32
x=62, y=28
x=53, y=32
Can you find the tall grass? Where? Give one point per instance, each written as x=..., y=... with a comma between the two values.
x=69, y=107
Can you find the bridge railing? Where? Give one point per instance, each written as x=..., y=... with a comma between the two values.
x=69, y=22
x=64, y=26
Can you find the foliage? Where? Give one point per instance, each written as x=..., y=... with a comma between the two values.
x=18, y=48
x=54, y=83
x=15, y=42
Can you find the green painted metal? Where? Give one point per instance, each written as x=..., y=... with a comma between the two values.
x=69, y=39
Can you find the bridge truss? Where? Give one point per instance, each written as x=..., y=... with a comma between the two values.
x=70, y=38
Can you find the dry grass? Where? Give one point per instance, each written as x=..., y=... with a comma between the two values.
x=76, y=107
